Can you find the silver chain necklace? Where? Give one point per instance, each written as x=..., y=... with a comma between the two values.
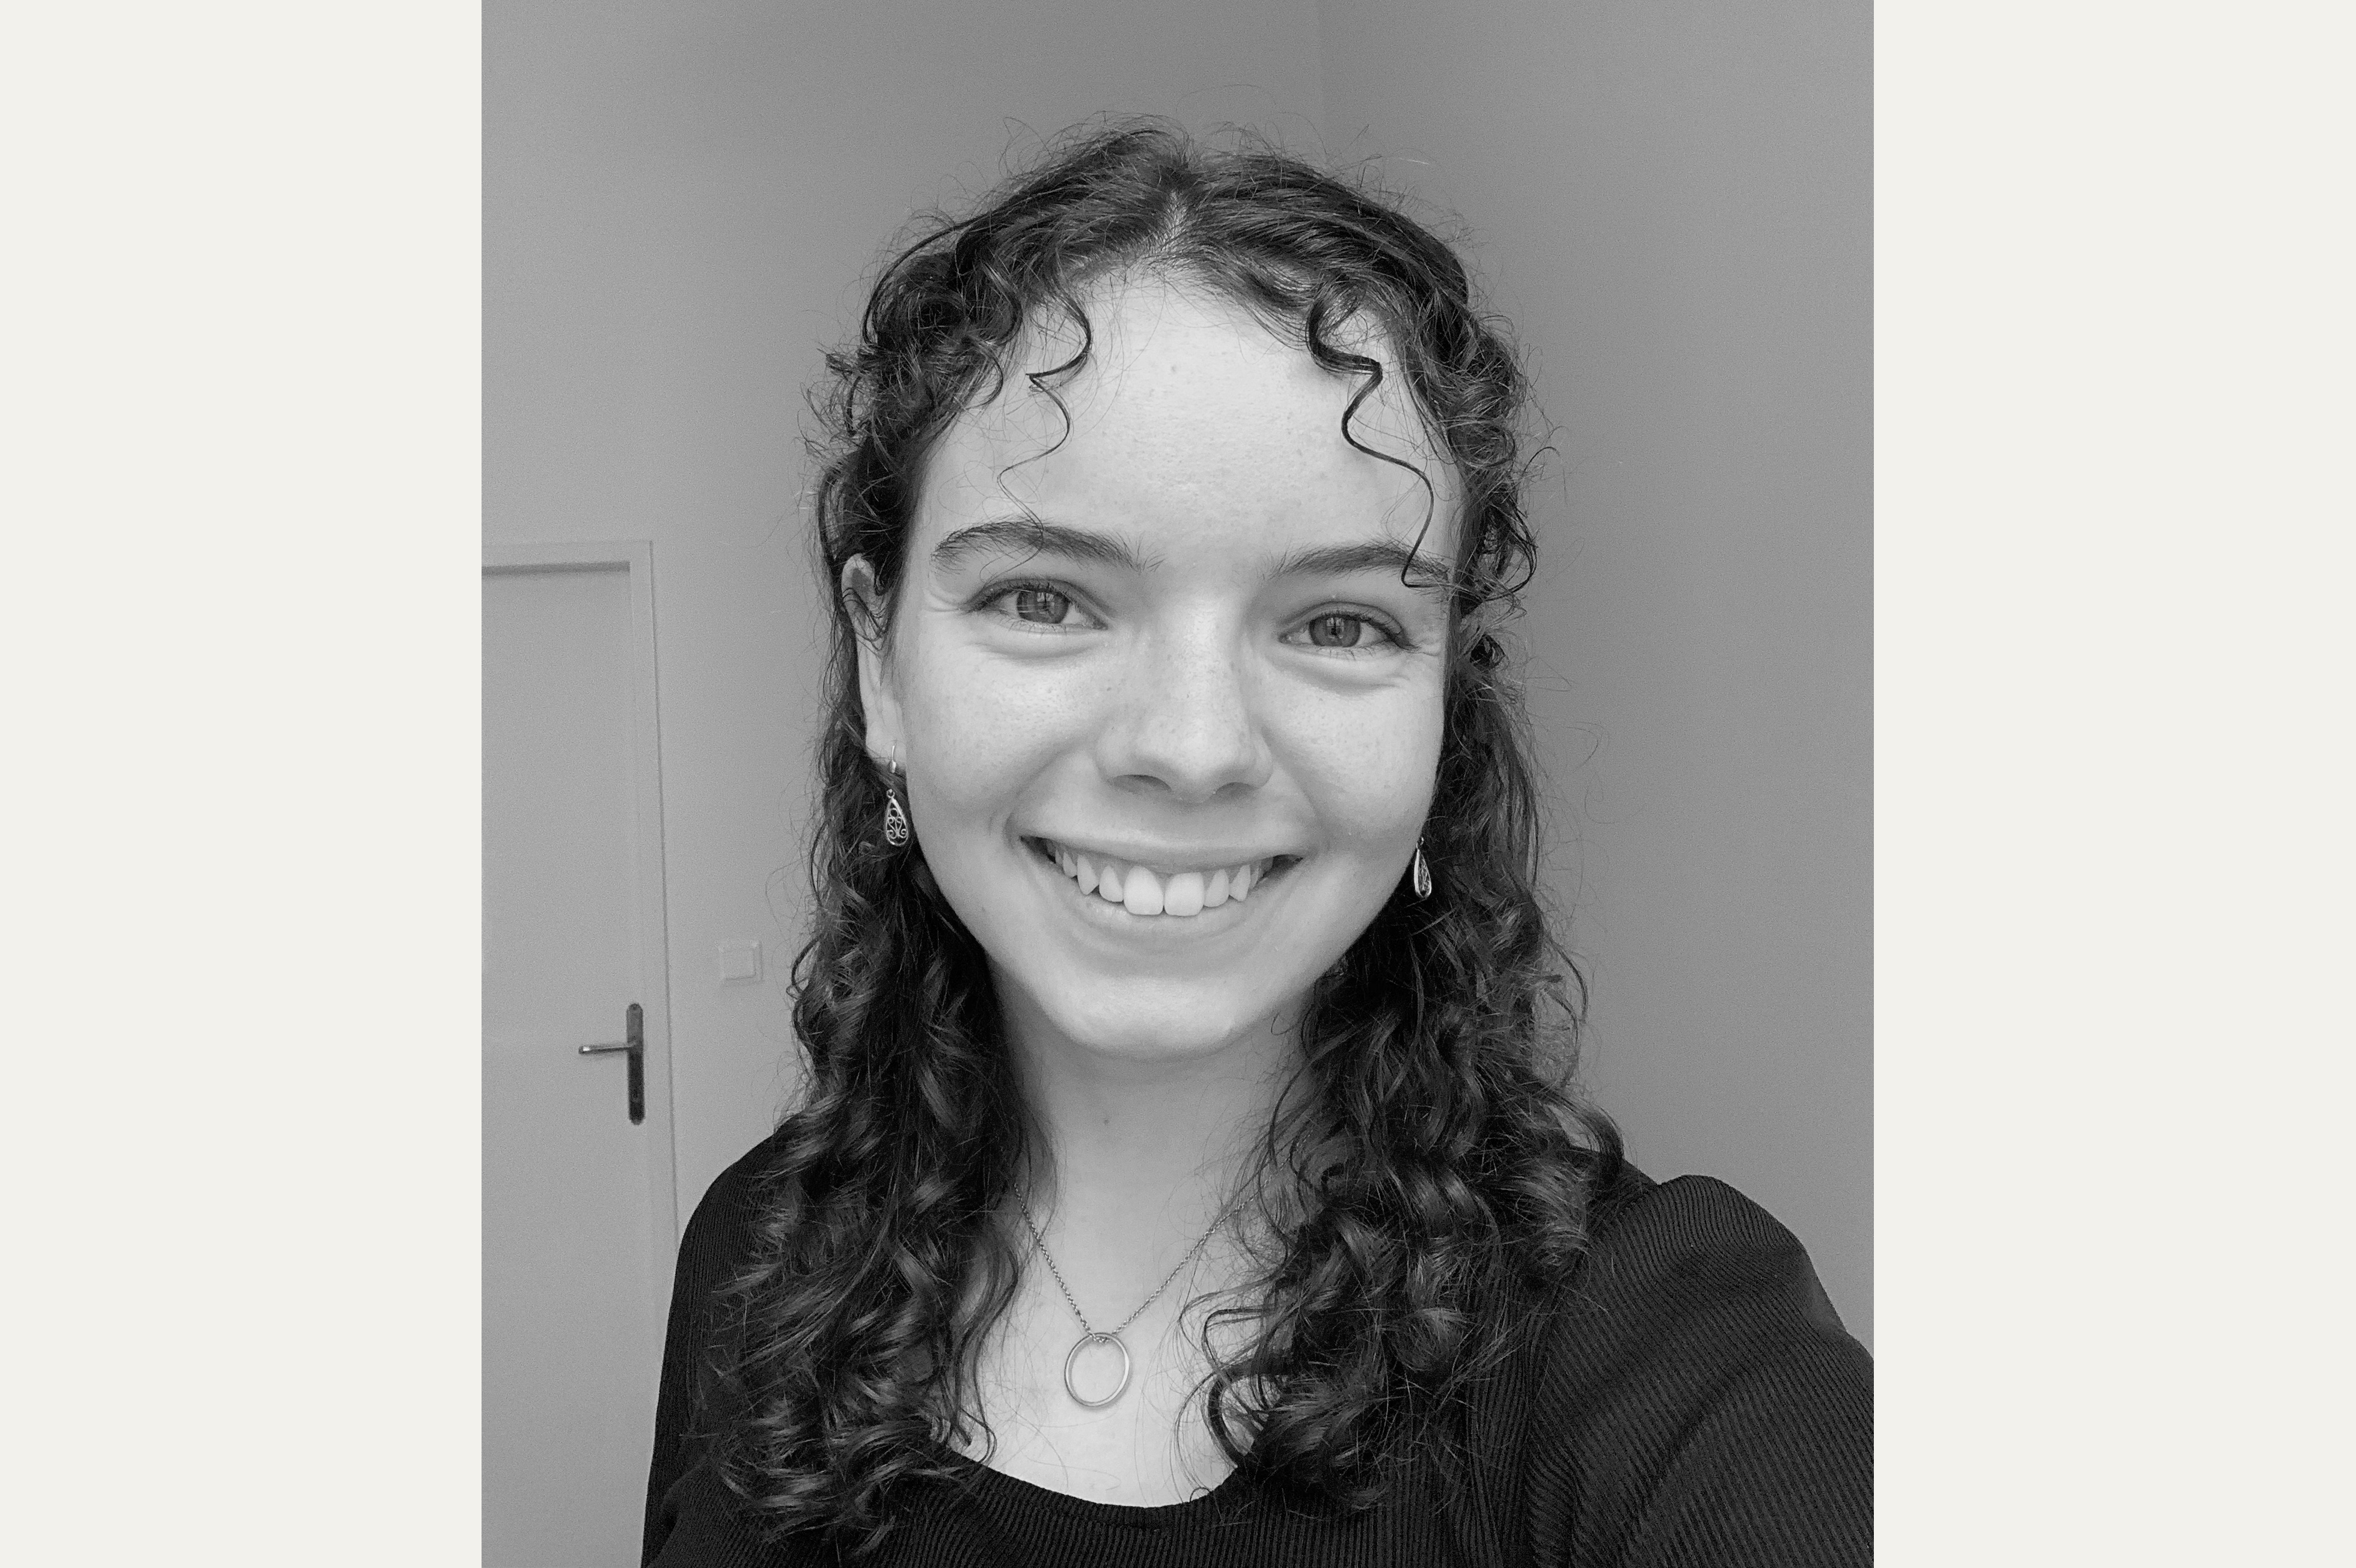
x=1090, y=1335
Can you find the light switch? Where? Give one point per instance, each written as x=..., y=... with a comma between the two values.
x=740, y=963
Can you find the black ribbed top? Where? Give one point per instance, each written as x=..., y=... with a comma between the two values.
x=1688, y=1400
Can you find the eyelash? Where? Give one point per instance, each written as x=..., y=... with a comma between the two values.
x=999, y=594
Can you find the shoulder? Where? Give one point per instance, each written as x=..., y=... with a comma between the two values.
x=720, y=1245
x=1697, y=1399
x=719, y=1234
x=684, y=1498
x=1661, y=1251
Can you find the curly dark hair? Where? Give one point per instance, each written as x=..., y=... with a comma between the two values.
x=1428, y=1167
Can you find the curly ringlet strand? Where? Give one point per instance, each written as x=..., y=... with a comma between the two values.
x=1428, y=1159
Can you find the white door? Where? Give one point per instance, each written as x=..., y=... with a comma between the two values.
x=579, y=1220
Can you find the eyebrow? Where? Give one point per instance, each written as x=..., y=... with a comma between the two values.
x=1420, y=572
x=1036, y=535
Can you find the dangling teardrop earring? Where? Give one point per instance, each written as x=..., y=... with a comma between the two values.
x=1422, y=873
x=896, y=820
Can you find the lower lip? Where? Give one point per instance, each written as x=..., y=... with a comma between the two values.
x=1111, y=916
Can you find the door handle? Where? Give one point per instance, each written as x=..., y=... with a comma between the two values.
x=635, y=1045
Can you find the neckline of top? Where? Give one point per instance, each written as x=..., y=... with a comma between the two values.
x=1014, y=1488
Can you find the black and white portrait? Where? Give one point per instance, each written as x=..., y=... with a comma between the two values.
x=1065, y=782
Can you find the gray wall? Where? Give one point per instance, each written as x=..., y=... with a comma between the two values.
x=1671, y=201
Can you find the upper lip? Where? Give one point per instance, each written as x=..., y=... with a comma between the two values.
x=1164, y=857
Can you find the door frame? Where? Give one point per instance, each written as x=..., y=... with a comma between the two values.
x=649, y=910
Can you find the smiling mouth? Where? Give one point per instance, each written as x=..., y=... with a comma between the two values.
x=1170, y=895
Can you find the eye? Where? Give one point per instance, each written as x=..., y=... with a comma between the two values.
x=1040, y=607
x=1336, y=631
x=1348, y=630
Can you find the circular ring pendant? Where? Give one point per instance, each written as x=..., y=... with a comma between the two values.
x=1120, y=1388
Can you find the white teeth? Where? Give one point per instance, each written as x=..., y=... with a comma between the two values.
x=1184, y=896
x=1142, y=894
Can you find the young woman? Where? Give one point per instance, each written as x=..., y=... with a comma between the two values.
x=1182, y=1176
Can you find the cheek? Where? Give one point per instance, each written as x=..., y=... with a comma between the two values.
x=978, y=734
x=1371, y=775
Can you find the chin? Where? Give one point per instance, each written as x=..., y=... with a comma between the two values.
x=1157, y=1024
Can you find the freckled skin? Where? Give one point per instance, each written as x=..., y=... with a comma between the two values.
x=1188, y=706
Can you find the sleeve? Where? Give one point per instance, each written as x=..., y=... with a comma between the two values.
x=715, y=1244
x=1702, y=1406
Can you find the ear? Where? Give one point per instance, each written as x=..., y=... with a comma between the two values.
x=878, y=699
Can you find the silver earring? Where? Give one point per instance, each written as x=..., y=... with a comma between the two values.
x=896, y=820
x=1422, y=873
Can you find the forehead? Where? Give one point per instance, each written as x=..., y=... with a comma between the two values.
x=1190, y=418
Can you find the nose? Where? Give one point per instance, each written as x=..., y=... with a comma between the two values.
x=1186, y=720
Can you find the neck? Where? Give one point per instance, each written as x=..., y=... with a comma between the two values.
x=1143, y=1148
